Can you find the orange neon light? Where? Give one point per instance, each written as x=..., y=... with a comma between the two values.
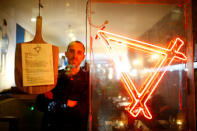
x=139, y=98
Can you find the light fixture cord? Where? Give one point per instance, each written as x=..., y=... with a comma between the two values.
x=40, y=6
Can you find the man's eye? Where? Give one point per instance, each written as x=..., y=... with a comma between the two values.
x=71, y=51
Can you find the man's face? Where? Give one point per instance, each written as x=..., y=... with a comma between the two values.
x=75, y=54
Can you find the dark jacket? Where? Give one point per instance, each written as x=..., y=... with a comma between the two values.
x=58, y=116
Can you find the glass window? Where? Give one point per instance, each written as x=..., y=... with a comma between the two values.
x=139, y=72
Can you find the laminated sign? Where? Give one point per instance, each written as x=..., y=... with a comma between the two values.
x=37, y=64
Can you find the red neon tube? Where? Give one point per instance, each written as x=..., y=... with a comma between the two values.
x=139, y=99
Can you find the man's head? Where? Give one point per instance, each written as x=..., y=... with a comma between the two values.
x=75, y=53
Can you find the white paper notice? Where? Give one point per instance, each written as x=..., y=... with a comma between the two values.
x=37, y=64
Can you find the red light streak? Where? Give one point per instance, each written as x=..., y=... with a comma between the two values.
x=138, y=98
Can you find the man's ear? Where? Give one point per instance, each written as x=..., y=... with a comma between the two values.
x=84, y=57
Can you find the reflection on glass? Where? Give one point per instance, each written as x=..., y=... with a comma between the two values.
x=111, y=100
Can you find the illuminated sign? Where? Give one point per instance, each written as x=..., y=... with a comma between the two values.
x=140, y=98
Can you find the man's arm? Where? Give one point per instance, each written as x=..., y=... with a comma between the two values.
x=42, y=103
x=43, y=100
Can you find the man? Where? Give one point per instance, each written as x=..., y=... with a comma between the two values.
x=66, y=106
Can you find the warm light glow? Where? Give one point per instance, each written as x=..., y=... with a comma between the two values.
x=73, y=38
x=99, y=65
x=119, y=96
x=137, y=62
x=124, y=103
x=145, y=71
x=124, y=99
x=186, y=69
x=179, y=122
x=71, y=34
x=139, y=98
x=155, y=56
x=133, y=72
x=33, y=19
x=110, y=74
x=121, y=124
x=67, y=4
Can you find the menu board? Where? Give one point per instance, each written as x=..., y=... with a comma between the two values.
x=37, y=64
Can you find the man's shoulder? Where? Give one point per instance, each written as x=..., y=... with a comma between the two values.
x=83, y=73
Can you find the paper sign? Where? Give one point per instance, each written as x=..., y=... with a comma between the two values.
x=37, y=64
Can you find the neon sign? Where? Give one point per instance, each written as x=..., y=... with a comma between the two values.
x=140, y=98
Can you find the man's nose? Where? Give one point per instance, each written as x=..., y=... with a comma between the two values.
x=75, y=54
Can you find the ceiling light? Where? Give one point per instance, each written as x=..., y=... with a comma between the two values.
x=71, y=35
x=33, y=19
x=73, y=38
x=67, y=4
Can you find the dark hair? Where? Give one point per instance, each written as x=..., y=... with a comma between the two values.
x=76, y=42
